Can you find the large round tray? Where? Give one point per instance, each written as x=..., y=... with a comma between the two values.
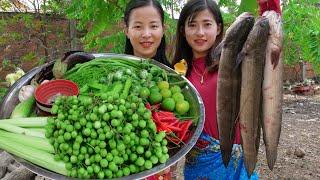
x=191, y=94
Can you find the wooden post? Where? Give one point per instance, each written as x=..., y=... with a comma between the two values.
x=303, y=68
x=73, y=35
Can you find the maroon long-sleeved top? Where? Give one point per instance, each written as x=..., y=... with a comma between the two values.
x=208, y=93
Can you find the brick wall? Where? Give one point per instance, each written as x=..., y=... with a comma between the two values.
x=15, y=51
x=294, y=73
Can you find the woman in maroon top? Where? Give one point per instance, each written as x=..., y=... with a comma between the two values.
x=199, y=31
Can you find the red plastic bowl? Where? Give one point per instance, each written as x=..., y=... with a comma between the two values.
x=46, y=93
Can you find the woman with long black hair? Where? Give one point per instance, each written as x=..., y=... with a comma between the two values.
x=144, y=21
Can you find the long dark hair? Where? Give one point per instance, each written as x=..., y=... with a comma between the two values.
x=161, y=51
x=183, y=49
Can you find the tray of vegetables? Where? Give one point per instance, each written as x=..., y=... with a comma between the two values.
x=100, y=116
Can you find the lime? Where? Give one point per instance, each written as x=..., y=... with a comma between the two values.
x=163, y=85
x=166, y=93
x=182, y=107
x=175, y=89
x=178, y=96
x=155, y=98
x=168, y=104
x=144, y=92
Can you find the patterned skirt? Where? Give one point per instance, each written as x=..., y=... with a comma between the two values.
x=206, y=163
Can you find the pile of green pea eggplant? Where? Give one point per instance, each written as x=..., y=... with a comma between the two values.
x=110, y=129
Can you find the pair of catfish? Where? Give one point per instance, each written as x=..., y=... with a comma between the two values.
x=250, y=86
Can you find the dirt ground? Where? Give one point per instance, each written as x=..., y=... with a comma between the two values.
x=299, y=148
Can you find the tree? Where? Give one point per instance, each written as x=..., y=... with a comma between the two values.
x=302, y=32
x=104, y=22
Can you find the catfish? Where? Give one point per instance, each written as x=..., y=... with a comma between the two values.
x=228, y=93
x=272, y=88
x=252, y=58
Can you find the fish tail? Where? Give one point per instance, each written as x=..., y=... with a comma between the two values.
x=250, y=164
x=271, y=155
x=226, y=155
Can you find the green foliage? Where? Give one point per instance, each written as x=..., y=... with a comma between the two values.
x=231, y=6
x=248, y=6
x=104, y=22
x=100, y=17
x=57, y=7
x=3, y=35
x=3, y=24
x=7, y=64
x=8, y=38
x=3, y=92
x=27, y=19
x=31, y=56
x=170, y=32
x=42, y=61
x=231, y=9
x=302, y=32
x=228, y=19
x=3, y=40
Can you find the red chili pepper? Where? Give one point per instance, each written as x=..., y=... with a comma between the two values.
x=168, y=119
x=148, y=106
x=162, y=128
x=184, y=125
x=175, y=123
x=187, y=136
x=189, y=123
x=155, y=117
x=166, y=113
x=177, y=131
x=173, y=128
